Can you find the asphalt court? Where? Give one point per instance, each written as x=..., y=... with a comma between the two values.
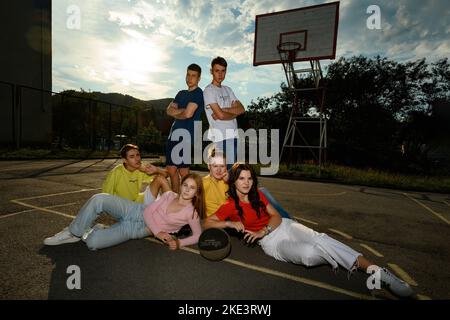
x=394, y=228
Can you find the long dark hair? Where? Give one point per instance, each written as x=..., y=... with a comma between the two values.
x=199, y=199
x=253, y=195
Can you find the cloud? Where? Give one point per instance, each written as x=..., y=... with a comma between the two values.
x=108, y=55
x=207, y=28
x=410, y=29
x=138, y=47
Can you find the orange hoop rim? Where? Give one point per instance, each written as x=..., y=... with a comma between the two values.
x=289, y=46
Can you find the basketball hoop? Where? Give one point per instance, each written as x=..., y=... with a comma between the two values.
x=299, y=36
x=288, y=54
x=288, y=50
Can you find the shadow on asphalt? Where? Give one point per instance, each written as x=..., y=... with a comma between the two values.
x=123, y=272
x=140, y=269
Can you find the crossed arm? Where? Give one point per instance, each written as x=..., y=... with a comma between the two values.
x=229, y=113
x=182, y=113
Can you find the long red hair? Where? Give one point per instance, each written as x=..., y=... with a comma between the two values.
x=198, y=201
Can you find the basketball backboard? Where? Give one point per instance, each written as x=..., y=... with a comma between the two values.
x=315, y=28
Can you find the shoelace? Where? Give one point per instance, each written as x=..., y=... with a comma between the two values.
x=391, y=277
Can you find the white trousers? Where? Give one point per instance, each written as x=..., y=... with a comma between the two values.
x=296, y=243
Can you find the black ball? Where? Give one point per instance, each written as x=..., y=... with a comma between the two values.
x=214, y=244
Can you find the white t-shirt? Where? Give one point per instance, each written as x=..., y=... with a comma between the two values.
x=219, y=129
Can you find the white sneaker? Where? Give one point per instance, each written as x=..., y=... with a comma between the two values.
x=61, y=237
x=394, y=284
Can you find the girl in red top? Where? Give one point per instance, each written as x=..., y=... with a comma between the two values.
x=247, y=210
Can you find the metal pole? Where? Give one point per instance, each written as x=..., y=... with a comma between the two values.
x=42, y=56
x=91, y=136
x=137, y=126
x=94, y=125
x=121, y=127
x=110, y=127
x=19, y=116
x=13, y=113
x=61, y=122
x=326, y=143
x=320, y=143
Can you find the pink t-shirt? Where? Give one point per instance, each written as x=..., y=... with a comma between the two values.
x=157, y=219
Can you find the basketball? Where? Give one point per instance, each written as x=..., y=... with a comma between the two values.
x=214, y=244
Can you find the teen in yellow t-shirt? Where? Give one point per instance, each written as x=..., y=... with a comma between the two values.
x=214, y=183
x=133, y=181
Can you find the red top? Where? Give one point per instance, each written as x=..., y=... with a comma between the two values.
x=251, y=221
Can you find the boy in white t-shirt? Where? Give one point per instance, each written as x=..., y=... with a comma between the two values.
x=222, y=107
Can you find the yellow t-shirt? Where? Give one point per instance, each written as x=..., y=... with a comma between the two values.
x=126, y=184
x=215, y=194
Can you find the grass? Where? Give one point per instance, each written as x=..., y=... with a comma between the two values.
x=330, y=173
x=354, y=176
x=369, y=177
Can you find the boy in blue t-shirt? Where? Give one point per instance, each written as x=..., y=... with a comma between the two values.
x=186, y=108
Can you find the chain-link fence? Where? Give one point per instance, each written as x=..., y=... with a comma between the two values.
x=34, y=117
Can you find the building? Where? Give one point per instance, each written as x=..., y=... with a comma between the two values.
x=26, y=67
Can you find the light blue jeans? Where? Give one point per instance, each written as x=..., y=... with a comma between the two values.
x=130, y=225
x=275, y=203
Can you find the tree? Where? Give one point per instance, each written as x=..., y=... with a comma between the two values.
x=380, y=113
x=150, y=139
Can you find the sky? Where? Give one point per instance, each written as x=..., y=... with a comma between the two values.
x=142, y=47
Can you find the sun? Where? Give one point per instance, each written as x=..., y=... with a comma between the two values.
x=138, y=58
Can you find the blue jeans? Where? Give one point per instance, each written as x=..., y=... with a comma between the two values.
x=231, y=157
x=130, y=225
x=275, y=203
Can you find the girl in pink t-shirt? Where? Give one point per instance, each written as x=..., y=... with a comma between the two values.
x=135, y=221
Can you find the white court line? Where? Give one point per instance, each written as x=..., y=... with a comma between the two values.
x=446, y=203
x=323, y=194
x=242, y=264
x=305, y=220
x=56, y=194
x=43, y=209
x=370, y=249
x=283, y=275
x=30, y=210
x=427, y=208
x=347, y=236
x=403, y=274
x=312, y=194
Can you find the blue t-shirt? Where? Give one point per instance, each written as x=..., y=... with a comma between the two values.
x=183, y=98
